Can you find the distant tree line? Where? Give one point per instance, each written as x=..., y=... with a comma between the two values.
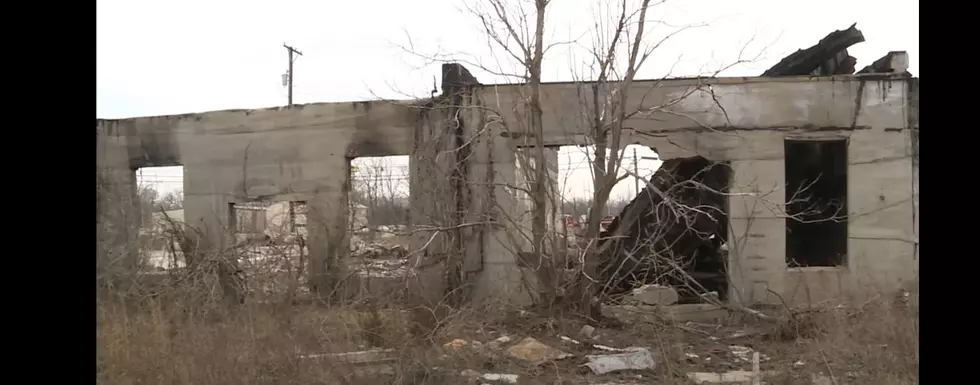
x=580, y=206
x=151, y=201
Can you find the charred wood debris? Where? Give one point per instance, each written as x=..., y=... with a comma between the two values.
x=675, y=232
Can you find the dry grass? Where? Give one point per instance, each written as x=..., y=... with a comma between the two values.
x=153, y=343
x=186, y=335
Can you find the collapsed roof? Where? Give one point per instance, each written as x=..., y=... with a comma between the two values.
x=830, y=57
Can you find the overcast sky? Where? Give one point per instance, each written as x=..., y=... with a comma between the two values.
x=180, y=56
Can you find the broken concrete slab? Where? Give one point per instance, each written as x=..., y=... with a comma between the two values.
x=633, y=359
x=893, y=62
x=500, y=377
x=653, y=294
x=535, y=352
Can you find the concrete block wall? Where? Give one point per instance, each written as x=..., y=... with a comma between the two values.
x=298, y=153
x=301, y=154
x=750, y=118
x=881, y=240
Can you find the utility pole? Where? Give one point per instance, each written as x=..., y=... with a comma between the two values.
x=289, y=75
x=636, y=172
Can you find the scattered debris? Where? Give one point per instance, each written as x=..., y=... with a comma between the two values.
x=653, y=294
x=740, y=334
x=455, y=344
x=505, y=378
x=634, y=359
x=535, y=352
x=744, y=353
x=586, y=331
x=357, y=358
x=470, y=373
x=735, y=376
x=608, y=348
x=568, y=339
x=379, y=268
x=377, y=250
x=799, y=364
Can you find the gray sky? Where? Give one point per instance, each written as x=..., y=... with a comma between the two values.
x=180, y=56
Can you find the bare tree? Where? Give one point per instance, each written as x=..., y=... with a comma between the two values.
x=515, y=33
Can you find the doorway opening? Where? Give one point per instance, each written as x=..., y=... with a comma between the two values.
x=160, y=193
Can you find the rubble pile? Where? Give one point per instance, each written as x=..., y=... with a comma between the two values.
x=379, y=268
x=379, y=250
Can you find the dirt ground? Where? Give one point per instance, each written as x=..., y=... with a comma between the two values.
x=838, y=356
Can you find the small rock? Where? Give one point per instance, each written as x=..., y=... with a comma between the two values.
x=498, y=343
x=586, y=331
x=654, y=295
x=535, y=352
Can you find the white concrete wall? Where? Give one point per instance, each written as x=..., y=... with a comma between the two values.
x=750, y=118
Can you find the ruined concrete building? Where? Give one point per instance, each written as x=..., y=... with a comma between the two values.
x=814, y=173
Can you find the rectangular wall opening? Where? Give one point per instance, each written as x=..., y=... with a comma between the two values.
x=248, y=221
x=816, y=202
x=160, y=193
x=379, y=209
x=271, y=243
